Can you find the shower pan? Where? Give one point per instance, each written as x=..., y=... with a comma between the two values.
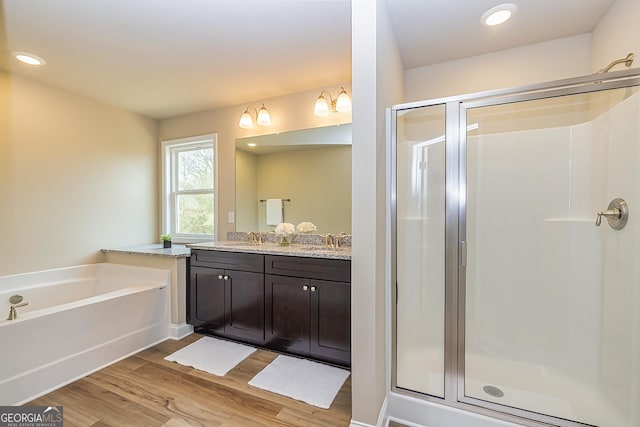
x=516, y=252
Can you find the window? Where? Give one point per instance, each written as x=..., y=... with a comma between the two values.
x=188, y=204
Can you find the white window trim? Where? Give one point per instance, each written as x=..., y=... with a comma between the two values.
x=167, y=200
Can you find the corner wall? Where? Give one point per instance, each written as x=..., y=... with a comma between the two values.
x=379, y=84
x=76, y=175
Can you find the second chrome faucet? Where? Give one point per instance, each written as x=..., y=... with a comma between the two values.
x=255, y=237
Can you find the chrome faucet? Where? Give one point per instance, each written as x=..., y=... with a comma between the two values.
x=338, y=239
x=15, y=300
x=329, y=241
x=255, y=237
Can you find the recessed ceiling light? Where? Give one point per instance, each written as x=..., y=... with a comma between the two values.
x=28, y=58
x=251, y=144
x=499, y=14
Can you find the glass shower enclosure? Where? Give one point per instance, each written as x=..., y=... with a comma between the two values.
x=516, y=251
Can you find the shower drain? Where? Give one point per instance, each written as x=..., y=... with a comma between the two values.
x=493, y=391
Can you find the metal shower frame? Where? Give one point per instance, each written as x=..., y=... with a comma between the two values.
x=455, y=231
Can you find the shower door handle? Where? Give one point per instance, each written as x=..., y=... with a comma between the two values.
x=617, y=214
x=463, y=253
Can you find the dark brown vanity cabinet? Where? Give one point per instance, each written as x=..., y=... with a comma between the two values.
x=206, y=298
x=308, y=307
x=292, y=304
x=224, y=299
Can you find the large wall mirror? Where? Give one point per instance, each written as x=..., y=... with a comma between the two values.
x=310, y=169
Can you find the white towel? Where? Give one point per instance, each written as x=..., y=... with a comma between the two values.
x=301, y=379
x=274, y=211
x=211, y=355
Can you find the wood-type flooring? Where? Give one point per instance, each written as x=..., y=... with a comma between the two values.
x=145, y=390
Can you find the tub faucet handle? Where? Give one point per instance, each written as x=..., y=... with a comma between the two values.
x=609, y=213
x=616, y=214
x=12, y=311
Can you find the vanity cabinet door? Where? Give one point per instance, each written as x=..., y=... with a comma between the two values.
x=244, y=305
x=287, y=315
x=330, y=335
x=206, y=298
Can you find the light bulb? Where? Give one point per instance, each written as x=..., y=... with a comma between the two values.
x=343, y=103
x=29, y=58
x=322, y=107
x=499, y=14
x=498, y=18
x=264, y=119
x=246, y=122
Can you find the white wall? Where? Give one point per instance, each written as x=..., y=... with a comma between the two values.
x=76, y=175
x=617, y=34
x=535, y=63
x=379, y=72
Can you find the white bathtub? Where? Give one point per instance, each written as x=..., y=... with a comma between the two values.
x=79, y=319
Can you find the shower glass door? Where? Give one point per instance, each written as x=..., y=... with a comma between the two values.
x=551, y=312
x=515, y=225
x=420, y=254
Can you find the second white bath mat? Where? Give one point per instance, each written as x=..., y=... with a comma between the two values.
x=211, y=355
x=311, y=382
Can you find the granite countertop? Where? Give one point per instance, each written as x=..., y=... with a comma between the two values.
x=298, y=250
x=155, y=249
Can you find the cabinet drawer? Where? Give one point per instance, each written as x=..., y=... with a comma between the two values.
x=228, y=260
x=338, y=270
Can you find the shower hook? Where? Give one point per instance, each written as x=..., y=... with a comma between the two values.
x=617, y=214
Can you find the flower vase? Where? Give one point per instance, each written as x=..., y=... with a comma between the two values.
x=285, y=240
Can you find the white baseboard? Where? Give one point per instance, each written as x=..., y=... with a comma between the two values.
x=177, y=332
x=414, y=412
x=382, y=418
x=384, y=414
x=359, y=424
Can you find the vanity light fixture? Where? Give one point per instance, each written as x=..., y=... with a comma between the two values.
x=28, y=58
x=498, y=14
x=262, y=118
x=342, y=104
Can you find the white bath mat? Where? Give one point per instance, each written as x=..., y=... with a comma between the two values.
x=311, y=382
x=211, y=355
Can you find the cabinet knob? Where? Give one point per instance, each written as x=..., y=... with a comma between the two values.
x=313, y=289
x=305, y=288
x=220, y=276
x=226, y=277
